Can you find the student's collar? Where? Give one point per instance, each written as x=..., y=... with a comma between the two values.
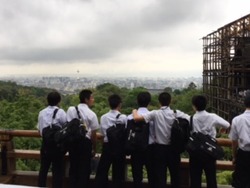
x=114, y=111
x=83, y=104
x=164, y=107
x=142, y=108
x=200, y=112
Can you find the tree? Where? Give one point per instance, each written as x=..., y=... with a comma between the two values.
x=192, y=86
x=168, y=90
x=183, y=101
x=130, y=100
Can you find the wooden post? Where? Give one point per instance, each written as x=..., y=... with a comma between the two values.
x=8, y=165
x=3, y=159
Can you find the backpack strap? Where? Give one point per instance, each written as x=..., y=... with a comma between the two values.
x=80, y=118
x=117, y=117
x=78, y=112
x=191, y=123
x=54, y=116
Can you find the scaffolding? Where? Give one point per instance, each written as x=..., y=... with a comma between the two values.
x=226, y=67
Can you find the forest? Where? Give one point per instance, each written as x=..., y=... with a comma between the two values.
x=20, y=105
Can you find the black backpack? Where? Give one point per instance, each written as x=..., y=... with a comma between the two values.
x=48, y=133
x=73, y=131
x=137, y=136
x=116, y=137
x=180, y=132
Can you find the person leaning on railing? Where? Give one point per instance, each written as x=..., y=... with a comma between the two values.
x=205, y=123
x=240, y=136
x=81, y=152
x=164, y=156
x=50, y=153
x=112, y=153
x=143, y=157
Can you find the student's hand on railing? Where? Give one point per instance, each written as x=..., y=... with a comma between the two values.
x=233, y=161
x=93, y=152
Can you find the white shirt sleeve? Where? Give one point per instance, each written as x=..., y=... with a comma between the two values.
x=71, y=113
x=220, y=122
x=233, y=133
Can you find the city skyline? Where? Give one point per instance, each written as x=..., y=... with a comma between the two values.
x=68, y=85
x=155, y=38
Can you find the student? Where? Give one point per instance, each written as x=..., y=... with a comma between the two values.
x=50, y=153
x=108, y=156
x=205, y=123
x=80, y=153
x=141, y=158
x=240, y=136
x=164, y=156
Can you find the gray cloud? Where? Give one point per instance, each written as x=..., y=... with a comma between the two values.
x=65, y=31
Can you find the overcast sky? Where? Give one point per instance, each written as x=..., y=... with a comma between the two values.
x=155, y=38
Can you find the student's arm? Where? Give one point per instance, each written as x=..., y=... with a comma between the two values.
x=220, y=122
x=93, y=139
x=136, y=116
x=94, y=125
x=63, y=116
x=39, y=119
x=234, y=150
x=182, y=115
x=71, y=113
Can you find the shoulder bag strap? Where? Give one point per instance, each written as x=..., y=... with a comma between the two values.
x=54, y=116
x=83, y=123
x=78, y=112
x=191, y=123
x=117, y=117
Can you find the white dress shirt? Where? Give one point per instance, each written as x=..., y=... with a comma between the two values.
x=45, y=118
x=240, y=130
x=206, y=123
x=109, y=119
x=87, y=115
x=162, y=120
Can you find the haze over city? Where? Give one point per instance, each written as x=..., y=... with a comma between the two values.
x=154, y=38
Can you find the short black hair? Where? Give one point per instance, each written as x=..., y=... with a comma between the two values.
x=143, y=99
x=53, y=98
x=200, y=102
x=114, y=101
x=164, y=99
x=247, y=100
x=85, y=94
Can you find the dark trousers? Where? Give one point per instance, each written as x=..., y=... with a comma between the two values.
x=241, y=174
x=138, y=160
x=198, y=162
x=51, y=155
x=165, y=158
x=118, y=168
x=80, y=163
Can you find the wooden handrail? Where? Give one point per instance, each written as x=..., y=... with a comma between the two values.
x=25, y=133
x=224, y=142
x=19, y=133
x=11, y=154
x=34, y=133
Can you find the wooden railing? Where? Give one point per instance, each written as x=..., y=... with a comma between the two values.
x=9, y=156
